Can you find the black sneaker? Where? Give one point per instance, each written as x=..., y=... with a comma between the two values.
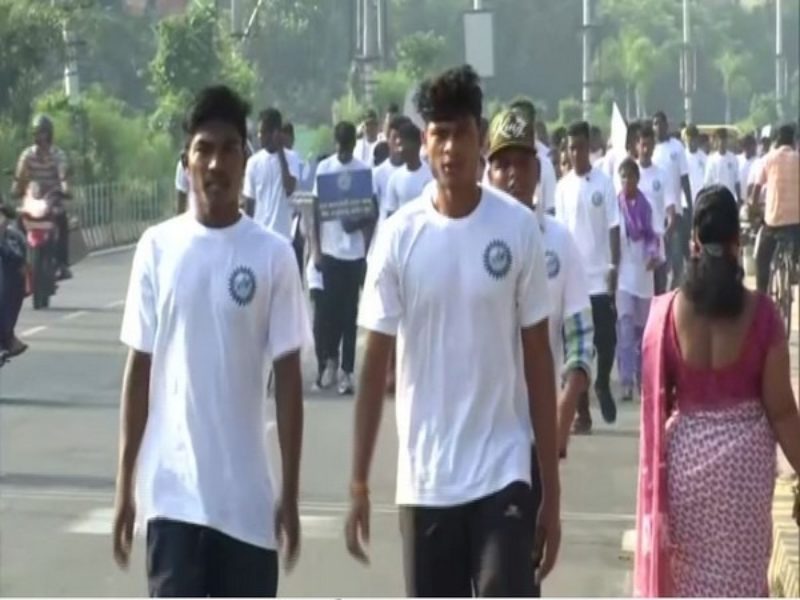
x=608, y=408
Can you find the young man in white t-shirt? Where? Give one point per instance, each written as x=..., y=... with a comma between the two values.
x=271, y=177
x=213, y=298
x=407, y=182
x=670, y=156
x=363, y=150
x=746, y=161
x=587, y=205
x=696, y=161
x=382, y=173
x=722, y=167
x=339, y=249
x=653, y=183
x=545, y=195
x=458, y=276
x=513, y=168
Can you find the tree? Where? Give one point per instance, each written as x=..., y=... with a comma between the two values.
x=732, y=66
x=420, y=54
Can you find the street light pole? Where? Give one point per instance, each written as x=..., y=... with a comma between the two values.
x=587, y=59
x=370, y=49
x=687, y=66
x=779, y=83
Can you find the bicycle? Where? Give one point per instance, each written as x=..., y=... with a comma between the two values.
x=784, y=274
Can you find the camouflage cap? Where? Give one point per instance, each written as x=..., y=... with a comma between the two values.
x=511, y=128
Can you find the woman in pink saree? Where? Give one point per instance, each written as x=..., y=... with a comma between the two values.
x=716, y=396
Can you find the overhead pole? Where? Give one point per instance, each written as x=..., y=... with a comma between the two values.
x=687, y=65
x=587, y=82
x=780, y=87
x=370, y=49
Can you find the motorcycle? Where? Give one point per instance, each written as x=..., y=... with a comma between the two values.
x=38, y=217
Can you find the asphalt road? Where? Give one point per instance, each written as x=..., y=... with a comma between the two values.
x=58, y=439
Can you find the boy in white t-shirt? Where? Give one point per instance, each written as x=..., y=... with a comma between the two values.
x=407, y=182
x=213, y=298
x=723, y=167
x=457, y=276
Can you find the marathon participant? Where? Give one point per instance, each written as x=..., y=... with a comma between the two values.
x=392, y=112
x=781, y=177
x=213, y=297
x=696, y=161
x=746, y=161
x=365, y=145
x=408, y=181
x=546, y=188
x=464, y=254
x=587, y=205
x=382, y=173
x=722, y=167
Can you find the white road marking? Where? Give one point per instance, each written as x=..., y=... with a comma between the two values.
x=115, y=304
x=75, y=315
x=33, y=331
x=629, y=542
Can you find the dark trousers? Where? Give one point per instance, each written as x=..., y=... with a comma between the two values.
x=342, y=280
x=661, y=278
x=604, y=315
x=767, y=243
x=482, y=548
x=677, y=247
x=536, y=504
x=185, y=560
x=62, y=245
x=317, y=298
x=12, y=295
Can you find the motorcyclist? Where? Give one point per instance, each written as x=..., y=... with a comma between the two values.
x=46, y=164
x=12, y=283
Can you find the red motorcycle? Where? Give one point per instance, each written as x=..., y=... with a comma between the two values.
x=38, y=217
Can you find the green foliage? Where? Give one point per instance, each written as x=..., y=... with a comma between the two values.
x=420, y=54
x=321, y=141
x=569, y=111
x=348, y=108
x=391, y=87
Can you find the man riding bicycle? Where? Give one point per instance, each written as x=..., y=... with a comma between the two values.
x=781, y=175
x=46, y=164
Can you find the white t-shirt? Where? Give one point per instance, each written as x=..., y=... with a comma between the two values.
x=213, y=307
x=364, y=151
x=406, y=185
x=723, y=169
x=587, y=206
x=546, y=190
x=264, y=183
x=457, y=292
x=697, y=172
x=181, y=178
x=653, y=184
x=745, y=167
x=634, y=278
x=670, y=157
x=566, y=283
x=336, y=242
x=380, y=182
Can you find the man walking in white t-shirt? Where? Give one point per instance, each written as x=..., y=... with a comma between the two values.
x=339, y=251
x=545, y=195
x=458, y=277
x=365, y=145
x=213, y=297
x=587, y=205
x=382, y=173
x=407, y=182
x=271, y=177
x=722, y=167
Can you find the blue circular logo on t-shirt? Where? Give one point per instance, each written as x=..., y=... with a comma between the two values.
x=242, y=285
x=656, y=185
x=553, y=264
x=597, y=198
x=497, y=259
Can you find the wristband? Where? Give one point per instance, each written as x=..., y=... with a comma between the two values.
x=359, y=488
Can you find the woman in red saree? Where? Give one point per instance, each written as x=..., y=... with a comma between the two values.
x=716, y=396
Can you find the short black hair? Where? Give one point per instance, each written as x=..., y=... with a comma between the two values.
x=526, y=105
x=692, y=131
x=271, y=118
x=370, y=115
x=397, y=121
x=217, y=103
x=630, y=165
x=595, y=131
x=749, y=139
x=632, y=133
x=660, y=114
x=380, y=153
x=646, y=131
x=451, y=95
x=721, y=133
x=345, y=134
x=786, y=135
x=579, y=129
x=409, y=132
x=288, y=128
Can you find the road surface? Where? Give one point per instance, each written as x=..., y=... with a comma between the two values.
x=58, y=442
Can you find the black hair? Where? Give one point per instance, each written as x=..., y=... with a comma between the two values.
x=632, y=133
x=714, y=279
x=271, y=119
x=558, y=136
x=393, y=108
x=660, y=115
x=345, y=134
x=454, y=94
x=692, y=131
x=288, y=128
x=218, y=103
x=646, y=131
x=579, y=129
x=630, y=165
x=526, y=106
x=595, y=131
x=749, y=139
x=397, y=122
x=721, y=133
x=370, y=115
x=380, y=153
x=786, y=135
x=409, y=132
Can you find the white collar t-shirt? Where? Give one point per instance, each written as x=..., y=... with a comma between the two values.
x=406, y=185
x=587, y=205
x=364, y=151
x=670, y=157
x=456, y=293
x=336, y=242
x=380, y=181
x=696, y=162
x=723, y=169
x=653, y=183
x=263, y=183
x=213, y=307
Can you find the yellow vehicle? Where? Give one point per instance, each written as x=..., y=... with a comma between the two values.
x=734, y=134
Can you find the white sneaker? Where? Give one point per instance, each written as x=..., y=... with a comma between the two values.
x=328, y=378
x=345, y=384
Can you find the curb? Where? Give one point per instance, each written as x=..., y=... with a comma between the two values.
x=784, y=569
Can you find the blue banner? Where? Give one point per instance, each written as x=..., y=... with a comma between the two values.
x=345, y=195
